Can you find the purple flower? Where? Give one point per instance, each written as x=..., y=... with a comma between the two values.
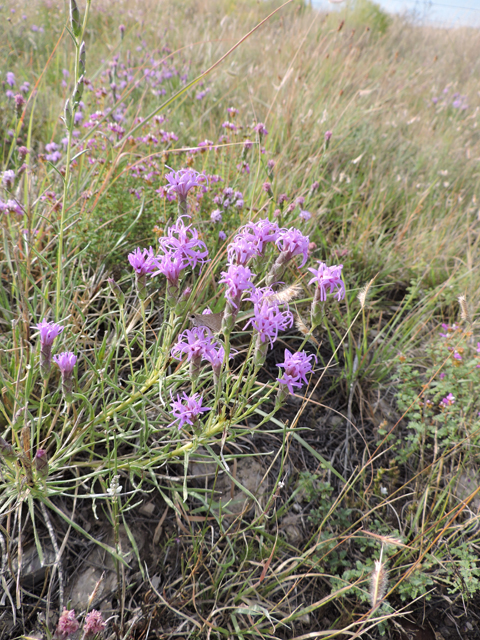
x=237, y=278
x=232, y=112
x=268, y=319
x=8, y=179
x=182, y=240
x=48, y=332
x=66, y=362
x=10, y=78
x=271, y=164
x=181, y=181
x=328, y=135
x=216, y=216
x=170, y=265
x=291, y=242
x=448, y=400
x=12, y=206
x=94, y=622
x=222, y=235
x=142, y=260
x=260, y=129
x=478, y=348
x=296, y=366
x=67, y=624
x=456, y=355
x=188, y=411
x=328, y=278
x=194, y=343
x=305, y=215
x=251, y=239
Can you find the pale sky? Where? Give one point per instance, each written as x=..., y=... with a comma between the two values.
x=443, y=12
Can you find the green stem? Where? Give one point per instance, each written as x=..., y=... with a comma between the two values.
x=122, y=314
x=40, y=411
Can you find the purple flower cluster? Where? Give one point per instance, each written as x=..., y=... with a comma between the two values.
x=448, y=401
x=142, y=260
x=48, y=331
x=237, y=278
x=194, y=343
x=67, y=624
x=227, y=199
x=296, y=366
x=251, y=239
x=328, y=278
x=94, y=623
x=268, y=319
x=181, y=181
x=187, y=409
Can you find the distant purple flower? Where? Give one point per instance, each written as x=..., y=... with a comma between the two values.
x=222, y=235
x=328, y=135
x=53, y=155
x=232, y=112
x=260, y=129
x=94, y=622
x=266, y=186
x=296, y=366
x=216, y=216
x=328, y=278
x=291, y=242
x=216, y=357
x=201, y=94
x=305, y=215
x=456, y=355
x=22, y=152
x=121, y=28
x=237, y=278
x=270, y=164
x=448, y=400
x=12, y=206
x=67, y=624
x=10, y=78
x=142, y=260
x=434, y=100
x=181, y=181
x=188, y=411
x=34, y=27
x=8, y=179
x=19, y=103
x=478, y=348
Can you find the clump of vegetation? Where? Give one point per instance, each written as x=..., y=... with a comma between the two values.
x=230, y=233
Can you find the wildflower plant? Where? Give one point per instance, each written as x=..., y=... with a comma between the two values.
x=227, y=332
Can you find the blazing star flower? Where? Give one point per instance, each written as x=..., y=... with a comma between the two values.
x=48, y=332
x=260, y=129
x=328, y=135
x=305, y=215
x=291, y=242
x=237, y=278
x=181, y=181
x=268, y=319
x=12, y=206
x=67, y=624
x=182, y=240
x=8, y=179
x=66, y=363
x=250, y=240
x=188, y=411
x=94, y=622
x=142, y=260
x=328, y=277
x=194, y=343
x=222, y=235
x=448, y=400
x=478, y=348
x=170, y=265
x=216, y=216
x=296, y=366
x=10, y=78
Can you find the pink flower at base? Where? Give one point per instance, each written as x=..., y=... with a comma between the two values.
x=94, y=624
x=67, y=624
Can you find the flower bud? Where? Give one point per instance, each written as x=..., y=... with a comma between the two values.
x=78, y=92
x=41, y=463
x=75, y=19
x=117, y=292
x=81, y=59
x=68, y=115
